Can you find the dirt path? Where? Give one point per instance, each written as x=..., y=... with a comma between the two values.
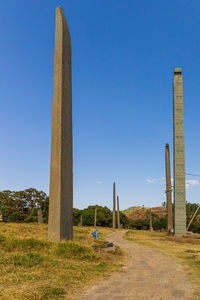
x=147, y=275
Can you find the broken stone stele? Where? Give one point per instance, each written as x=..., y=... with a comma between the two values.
x=60, y=225
x=179, y=157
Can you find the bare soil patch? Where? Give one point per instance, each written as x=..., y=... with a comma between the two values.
x=148, y=274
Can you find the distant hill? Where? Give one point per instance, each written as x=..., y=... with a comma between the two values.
x=140, y=212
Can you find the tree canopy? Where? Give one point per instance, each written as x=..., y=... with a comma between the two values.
x=22, y=206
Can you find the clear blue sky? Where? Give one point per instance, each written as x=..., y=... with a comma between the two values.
x=123, y=56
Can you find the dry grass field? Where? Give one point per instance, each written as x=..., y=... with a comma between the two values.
x=34, y=268
x=185, y=251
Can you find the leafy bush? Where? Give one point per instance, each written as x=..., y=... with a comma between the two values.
x=159, y=223
x=141, y=224
x=195, y=226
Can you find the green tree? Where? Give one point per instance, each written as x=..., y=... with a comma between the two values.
x=22, y=206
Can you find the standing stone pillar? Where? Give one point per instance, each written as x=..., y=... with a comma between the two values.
x=168, y=190
x=150, y=220
x=114, y=216
x=40, y=218
x=118, y=215
x=95, y=217
x=80, y=224
x=61, y=175
x=81, y=221
x=179, y=157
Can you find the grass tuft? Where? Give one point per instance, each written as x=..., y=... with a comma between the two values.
x=76, y=251
x=34, y=268
x=11, y=244
x=49, y=292
x=192, y=251
x=25, y=260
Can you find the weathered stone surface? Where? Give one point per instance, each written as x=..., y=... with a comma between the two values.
x=40, y=218
x=95, y=217
x=168, y=190
x=81, y=221
x=113, y=250
x=61, y=175
x=179, y=156
x=80, y=224
x=150, y=220
x=114, y=215
x=118, y=215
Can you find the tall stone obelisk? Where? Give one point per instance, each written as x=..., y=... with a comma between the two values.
x=168, y=190
x=61, y=174
x=114, y=216
x=179, y=156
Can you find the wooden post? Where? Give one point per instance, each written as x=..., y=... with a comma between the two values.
x=193, y=217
